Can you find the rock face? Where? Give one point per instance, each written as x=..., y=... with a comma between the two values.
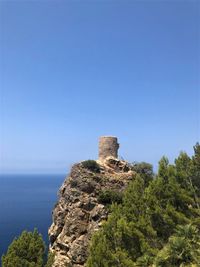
x=79, y=211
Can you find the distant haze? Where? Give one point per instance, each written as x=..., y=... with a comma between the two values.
x=72, y=71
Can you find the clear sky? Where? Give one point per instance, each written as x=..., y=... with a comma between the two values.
x=71, y=71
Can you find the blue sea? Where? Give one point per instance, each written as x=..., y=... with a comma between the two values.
x=26, y=202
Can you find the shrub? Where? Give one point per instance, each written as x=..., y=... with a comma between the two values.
x=73, y=183
x=91, y=165
x=108, y=197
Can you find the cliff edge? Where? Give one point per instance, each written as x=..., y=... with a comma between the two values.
x=81, y=210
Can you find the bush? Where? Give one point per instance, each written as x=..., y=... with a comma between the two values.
x=91, y=165
x=27, y=250
x=108, y=197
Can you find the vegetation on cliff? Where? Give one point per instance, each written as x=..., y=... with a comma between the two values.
x=28, y=250
x=91, y=165
x=157, y=223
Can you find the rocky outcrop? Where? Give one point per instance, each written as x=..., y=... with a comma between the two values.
x=79, y=211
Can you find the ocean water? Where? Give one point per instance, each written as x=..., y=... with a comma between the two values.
x=26, y=202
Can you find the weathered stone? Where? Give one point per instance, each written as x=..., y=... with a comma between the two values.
x=108, y=147
x=78, y=214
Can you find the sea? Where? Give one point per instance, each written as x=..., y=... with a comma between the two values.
x=26, y=202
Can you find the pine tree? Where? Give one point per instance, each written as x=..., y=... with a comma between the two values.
x=156, y=222
x=182, y=248
x=25, y=251
x=196, y=169
x=145, y=170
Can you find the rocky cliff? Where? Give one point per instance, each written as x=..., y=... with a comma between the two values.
x=80, y=210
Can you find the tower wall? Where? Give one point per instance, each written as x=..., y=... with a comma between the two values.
x=108, y=147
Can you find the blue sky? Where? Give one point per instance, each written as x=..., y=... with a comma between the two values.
x=72, y=71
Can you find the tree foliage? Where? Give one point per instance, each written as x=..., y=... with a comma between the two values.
x=50, y=259
x=157, y=223
x=27, y=250
x=145, y=170
x=182, y=248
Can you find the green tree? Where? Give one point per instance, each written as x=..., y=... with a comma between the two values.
x=154, y=221
x=196, y=169
x=182, y=248
x=163, y=167
x=188, y=174
x=169, y=203
x=25, y=251
x=145, y=170
x=125, y=237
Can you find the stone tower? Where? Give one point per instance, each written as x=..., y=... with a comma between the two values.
x=108, y=147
